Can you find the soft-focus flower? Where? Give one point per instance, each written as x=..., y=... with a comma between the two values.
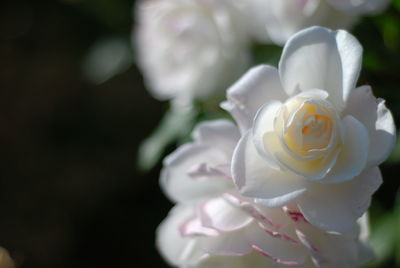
x=189, y=48
x=309, y=135
x=277, y=20
x=5, y=259
x=214, y=226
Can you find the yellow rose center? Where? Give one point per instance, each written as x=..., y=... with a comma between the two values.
x=308, y=126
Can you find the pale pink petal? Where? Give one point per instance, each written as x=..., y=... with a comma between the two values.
x=187, y=173
x=228, y=243
x=246, y=261
x=175, y=248
x=276, y=247
x=223, y=216
x=194, y=227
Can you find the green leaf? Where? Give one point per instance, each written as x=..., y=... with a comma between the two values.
x=383, y=238
x=396, y=232
x=266, y=54
x=107, y=58
x=395, y=155
x=176, y=124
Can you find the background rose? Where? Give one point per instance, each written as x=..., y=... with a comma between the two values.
x=332, y=180
x=189, y=49
x=277, y=20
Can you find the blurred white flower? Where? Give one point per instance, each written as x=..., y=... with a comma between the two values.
x=5, y=259
x=189, y=48
x=214, y=226
x=309, y=135
x=277, y=20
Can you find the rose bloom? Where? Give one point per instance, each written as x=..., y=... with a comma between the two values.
x=214, y=226
x=189, y=48
x=309, y=135
x=276, y=20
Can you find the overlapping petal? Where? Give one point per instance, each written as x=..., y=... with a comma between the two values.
x=336, y=207
x=255, y=178
x=378, y=120
x=251, y=91
x=201, y=168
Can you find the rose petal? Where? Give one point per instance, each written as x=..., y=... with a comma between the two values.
x=245, y=97
x=354, y=153
x=277, y=248
x=264, y=123
x=194, y=227
x=219, y=214
x=249, y=260
x=176, y=178
x=336, y=207
x=377, y=119
x=222, y=134
x=255, y=178
x=183, y=249
x=318, y=58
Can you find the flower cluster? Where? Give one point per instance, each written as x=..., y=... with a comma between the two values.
x=290, y=182
x=194, y=49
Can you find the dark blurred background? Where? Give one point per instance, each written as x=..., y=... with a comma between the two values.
x=69, y=192
x=73, y=112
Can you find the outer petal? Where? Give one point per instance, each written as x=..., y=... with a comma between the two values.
x=337, y=207
x=176, y=178
x=318, y=58
x=182, y=250
x=276, y=247
x=255, y=178
x=250, y=260
x=221, y=215
x=377, y=119
x=221, y=134
x=353, y=156
x=245, y=97
x=254, y=238
x=360, y=6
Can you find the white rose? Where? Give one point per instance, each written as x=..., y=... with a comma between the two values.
x=277, y=20
x=189, y=48
x=214, y=226
x=310, y=136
